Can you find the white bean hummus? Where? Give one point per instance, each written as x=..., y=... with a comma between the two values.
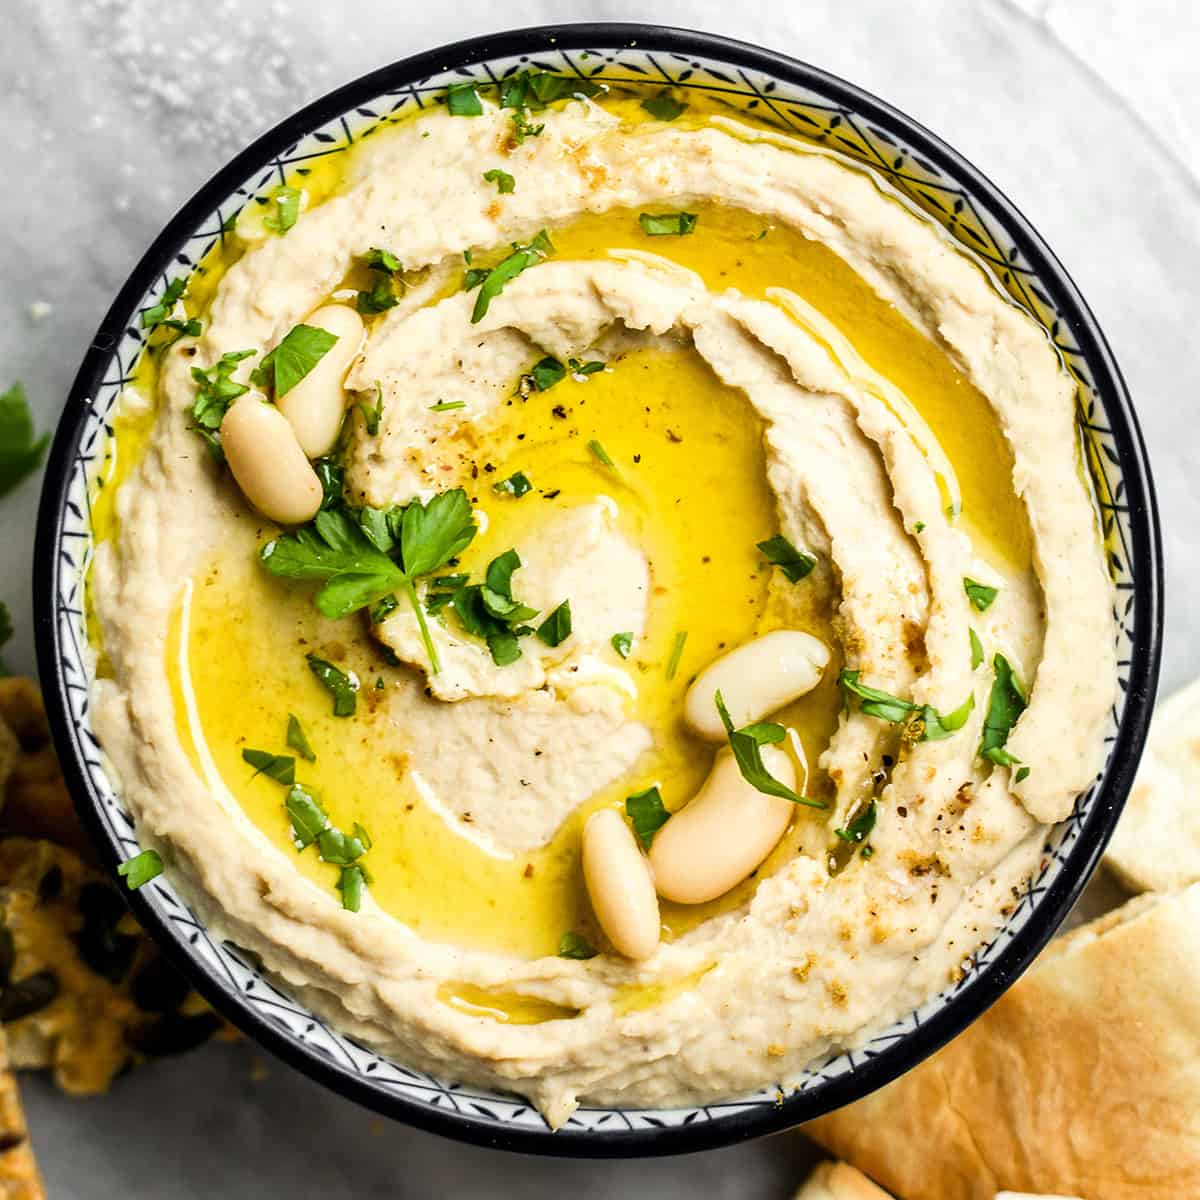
x=463, y=480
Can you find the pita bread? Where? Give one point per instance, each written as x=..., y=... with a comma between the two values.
x=1083, y=1079
x=838, y=1181
x=1156, y=847
x=19, y=1175
x=1030, y=1196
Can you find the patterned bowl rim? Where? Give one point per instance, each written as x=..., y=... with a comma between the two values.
x=1138, y=506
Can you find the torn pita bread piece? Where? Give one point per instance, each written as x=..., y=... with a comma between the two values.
x=1082, y=1080
x=1156, y=846
x=839, y=1181
x=1030, y=1196
x=19, y=1175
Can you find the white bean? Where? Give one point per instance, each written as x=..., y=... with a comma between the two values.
x=619, y=885
x=267, y=462
x=722, y=833
x=316, y=405
x=755, y=679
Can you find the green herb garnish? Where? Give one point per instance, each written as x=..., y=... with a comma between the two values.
x=1005, y=705
x=297, y=739
x=140, y=869
x=1022, y=774
x=217, y=390
x=579, y=367
x=493, y=282
x=489, y=611
x=524, y=128
x=980, y=594
x=556, y=628
x=622, y=643
x=647, y=814
x=350, y=884
x=536, y=89
x=516, y=485
x=280, y=767
x=462, y=100
x=339, y=848
x=664, y=224
x=935, y=726
x=504, y=182
x=447, y=405
x=599, y=451
x=676, y=653
x=286, y=202
x=362, y=556
x=160, y=314
x=545, y=374
x=874, y=702
x=372, y=414
x=747, y=744
x=301, y=349
x=664, y=106
x=342, y=686
x=20, y=453
x=860, y=828
x=795, y=564
x=575, y=945
x=976, y=649
x=306, y=815
x=385, y=272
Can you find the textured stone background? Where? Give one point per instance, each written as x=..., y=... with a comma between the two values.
x=1086, y=112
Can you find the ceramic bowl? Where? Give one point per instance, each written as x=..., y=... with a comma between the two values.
x=796, y=97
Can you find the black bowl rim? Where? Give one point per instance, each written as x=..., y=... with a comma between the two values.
x=1143, y=665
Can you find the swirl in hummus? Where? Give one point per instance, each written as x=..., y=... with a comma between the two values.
x=707, y=383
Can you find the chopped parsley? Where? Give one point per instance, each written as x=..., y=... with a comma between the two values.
x=622, y=643
x=299, y=351
x=492, y=282
x=339, y=848
x=20, y=452
x=667, y=224
x=676, y=653
x=1005, y=705
x=579, y=367
x=795, y=564
x=488, y=610
x=447, y=405
x=342, y=686
x=372, y=414
x=1022, y=774
x=285, y=210
x=279, y=767
x=462, y=100
x=537, y=89
x=516, y=485
x=599, y=451
x=935, y=727
x=981, y=596
x=362, y=555
x=158, y=315
x=140, y=869
x=385, y=270
x=747, y=744
x=664, y=106
x=647, y=814
x=504, y=182
x=546, y=373
x=874, y=703
x=307, y=816
x=859, y=829
x=556, y=628
x=217, y=390
x=575, y=945
x=976, y=649
x=298, y=740
x=524, y=128
x=350, y=885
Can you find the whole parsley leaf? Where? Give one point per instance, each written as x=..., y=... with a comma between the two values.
x=647, y=814
x=795, y=564
x=300, y=350
x=436, y=531
x=20, y=453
